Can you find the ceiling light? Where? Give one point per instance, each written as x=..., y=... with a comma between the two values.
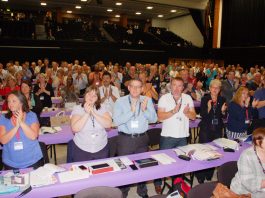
x=109, y=10
x=173, y=10
x=78, y=7
x=149, y=7
x=84, y=0
x=117, y=16
x=138, y=13
x=5, y=0
x=43, y=4
x=160, y=15
x=69, y=11
x=118, y=3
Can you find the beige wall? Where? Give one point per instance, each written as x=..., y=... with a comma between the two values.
x=159, y=23
x=187, y=29
x=182, y=26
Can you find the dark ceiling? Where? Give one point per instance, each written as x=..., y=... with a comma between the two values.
x=99, y=7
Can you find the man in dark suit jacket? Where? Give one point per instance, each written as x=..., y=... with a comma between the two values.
x=229, y=86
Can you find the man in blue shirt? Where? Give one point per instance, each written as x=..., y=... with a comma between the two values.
x=132, y=114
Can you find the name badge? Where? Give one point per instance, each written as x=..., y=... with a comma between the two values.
x=18, y=146
x=134, y=124
x=246, y=121
x=42, y=98
x=179, y=119
x=214, y=121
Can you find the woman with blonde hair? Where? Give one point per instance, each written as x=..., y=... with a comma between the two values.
x=18, y=76
x=239, y=114
x=44, y=91
x=213, y=109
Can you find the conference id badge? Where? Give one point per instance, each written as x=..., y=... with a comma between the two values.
x=134, y=124
x=214, y=121
x=247, y=121
x=42, y=98
x=18, y=146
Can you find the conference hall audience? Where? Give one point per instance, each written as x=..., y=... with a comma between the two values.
x=212, y=84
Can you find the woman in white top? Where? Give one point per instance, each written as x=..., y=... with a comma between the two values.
x=250, y=178
x=88, y=123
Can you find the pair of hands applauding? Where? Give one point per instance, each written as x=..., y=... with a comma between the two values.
x=19, y=116
x=89, y=108
x=143, y=105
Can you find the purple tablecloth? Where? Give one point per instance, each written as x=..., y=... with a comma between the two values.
x=59, y=100
x=66, y=134
x=52, y=113
x=196, y=103
x=129, y=176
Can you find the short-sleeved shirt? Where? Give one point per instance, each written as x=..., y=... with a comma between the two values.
x=177, y=126
x=92, y=137
x=260, y=95
x=31, y=152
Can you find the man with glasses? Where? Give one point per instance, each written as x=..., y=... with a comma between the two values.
x=132, y=114
x=174, y=111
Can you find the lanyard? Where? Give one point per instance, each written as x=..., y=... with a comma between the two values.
x=176, y=102
x=93, y=121
x=105, y=89
x=214, y=108
x=247, y=114
x=139, y=109
x=14, y=121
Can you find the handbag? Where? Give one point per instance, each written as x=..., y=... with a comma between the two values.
x=222, y=191
x=60, y=119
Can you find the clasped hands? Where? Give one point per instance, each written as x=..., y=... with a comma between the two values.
x=19, y=115
x=89, y=108
x=177, y=108
x=143, y=105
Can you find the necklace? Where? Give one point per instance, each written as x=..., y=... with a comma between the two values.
x=259, y=160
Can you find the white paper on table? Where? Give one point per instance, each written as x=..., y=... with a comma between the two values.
x=198, y=151
x=49, y=130
x=126, y=161
x=226, y=143
x=68, y=176
x=44, y=175
x=163, y=158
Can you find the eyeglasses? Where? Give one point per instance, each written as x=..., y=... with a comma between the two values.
x=135, y=87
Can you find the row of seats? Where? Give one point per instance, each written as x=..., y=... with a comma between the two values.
x=169, y=37
x=17, y=29
x=78, y=30
x=90, y=32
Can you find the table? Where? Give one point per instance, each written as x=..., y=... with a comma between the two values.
x=129, y=176
x=66, y=134
x=53, y=111
x=196, y=103
x=59, y=100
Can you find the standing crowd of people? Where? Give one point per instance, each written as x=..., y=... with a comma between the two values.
x=125, y=97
